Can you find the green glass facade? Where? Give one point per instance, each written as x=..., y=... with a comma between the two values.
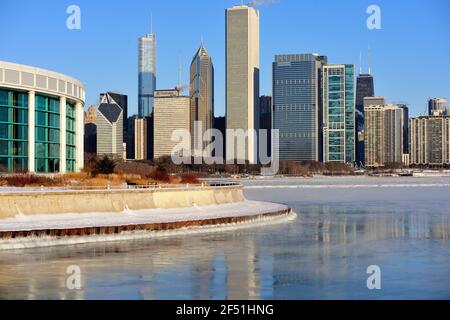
x=47, y=134
x=339, y=114
x=13, y=131
x=70, y=137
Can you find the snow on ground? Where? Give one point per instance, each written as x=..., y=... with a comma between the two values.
x=130, y=217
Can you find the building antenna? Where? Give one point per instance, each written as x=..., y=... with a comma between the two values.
x=179, y=72
x=151, y=23
x=370, y=58
x=360, y=62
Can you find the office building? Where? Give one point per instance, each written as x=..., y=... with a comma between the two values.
x=146, y=73
x=242, y=77
x=297, y=104
x=430, y=140
x=201, y=100
x=171, y=112
x=139, y=127
x=383, y=134
x=122, y=101
x=265, y=120
x=110, y=129
x=41, y=120
x=338, y=83
x=364, y=88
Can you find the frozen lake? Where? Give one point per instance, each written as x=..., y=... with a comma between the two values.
x=344, y=225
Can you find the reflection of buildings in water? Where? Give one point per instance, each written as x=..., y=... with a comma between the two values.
x=333, y=225
x=243, y=285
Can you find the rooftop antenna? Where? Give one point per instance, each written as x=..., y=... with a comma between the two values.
x=370, y=58
x=151, y=23
x=360, y=62
x=179, y=72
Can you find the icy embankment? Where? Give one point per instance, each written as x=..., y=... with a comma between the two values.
x=130, y=217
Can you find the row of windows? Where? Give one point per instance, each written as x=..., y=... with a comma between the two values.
x=13, y=115
x=13, y=99
x=13, y=132
x=14, y=164
x=13, y=148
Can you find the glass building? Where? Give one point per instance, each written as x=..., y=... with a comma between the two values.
x=339, y=113
x=364, y=88
x=41, y=120
x=146, y=74
x=296, y=105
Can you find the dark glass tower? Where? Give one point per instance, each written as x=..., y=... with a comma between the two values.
x=364, y=88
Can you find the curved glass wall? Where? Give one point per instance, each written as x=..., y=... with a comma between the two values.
x=70, y=137
x=13, y=131
x=47, y=134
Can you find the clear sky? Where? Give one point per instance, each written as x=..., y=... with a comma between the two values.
x=410, y=54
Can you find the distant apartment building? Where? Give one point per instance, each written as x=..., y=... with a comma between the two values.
x=242, y=77
x=338, y=84
x=146, y=73
x=110, y=129
x=171, y=112
x=90, y=115
x=374, y=101
x=139, y=127
x=429, y=140
x=297, y=104
x=265, y=120
x=438, y=107
x=383, y=134
x=201, y=100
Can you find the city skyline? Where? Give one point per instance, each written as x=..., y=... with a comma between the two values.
x=116, y=69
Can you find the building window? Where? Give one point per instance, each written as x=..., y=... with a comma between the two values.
x=13, y=131
x=70, y=137
x=47, y=133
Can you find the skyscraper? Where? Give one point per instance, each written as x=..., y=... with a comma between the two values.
x=171, y=113
x=265, y=119
x=201, y=99
x=146, y=73
x=297, y=105
x=122, y=101
x=383, y=134
x=242, y=76
x=110, y=129
x=339, y=113
x=364, y=88
x=430, y=140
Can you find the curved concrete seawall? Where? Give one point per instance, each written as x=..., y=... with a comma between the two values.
x=14, y=203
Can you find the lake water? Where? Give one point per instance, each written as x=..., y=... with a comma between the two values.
x=343, y=226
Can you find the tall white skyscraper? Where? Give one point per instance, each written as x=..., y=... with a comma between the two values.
x=242, y=76
x=146, y=73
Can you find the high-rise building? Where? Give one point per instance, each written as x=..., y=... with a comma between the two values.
x=242, y=76
x=364, y=88
x=430, y=140
x=374, y=101
x=140, y=138
x=338, y=83
x=90, y=115
x=438, y=106
x=110, y=129
x=201, y=99
x=171, y=112
x=146, y=73
x=265, y=120
x=122, y=101
x=297, y=104
x=383, y=134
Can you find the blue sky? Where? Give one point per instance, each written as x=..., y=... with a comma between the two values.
x=410, y=54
